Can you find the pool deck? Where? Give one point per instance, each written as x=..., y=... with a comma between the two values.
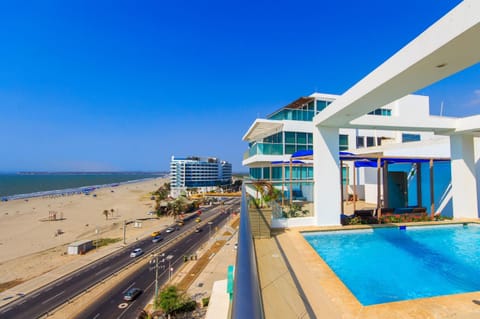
x=297, y=283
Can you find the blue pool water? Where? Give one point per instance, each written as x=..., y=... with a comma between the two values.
x=388, y=264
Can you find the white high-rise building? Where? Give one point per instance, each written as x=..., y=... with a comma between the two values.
x=203, y=173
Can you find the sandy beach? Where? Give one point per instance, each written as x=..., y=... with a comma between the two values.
x=31, y=243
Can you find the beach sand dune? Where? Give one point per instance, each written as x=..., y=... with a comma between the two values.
x=32, y=244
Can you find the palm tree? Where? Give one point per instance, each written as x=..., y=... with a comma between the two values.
x=174, y=208
x=268, y=192
x=105, y=212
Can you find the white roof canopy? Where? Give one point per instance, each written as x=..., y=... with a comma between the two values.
x=447, y=47
x=262, y=128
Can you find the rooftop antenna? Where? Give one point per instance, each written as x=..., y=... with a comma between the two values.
x=441, y=109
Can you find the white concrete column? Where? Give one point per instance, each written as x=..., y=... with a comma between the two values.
x=326, y=170
x=464, y=184
x=476, y=142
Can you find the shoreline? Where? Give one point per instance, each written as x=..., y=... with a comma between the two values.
x=44, y=222
x=73, y=190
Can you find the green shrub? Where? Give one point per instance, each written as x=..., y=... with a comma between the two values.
x=205, y=301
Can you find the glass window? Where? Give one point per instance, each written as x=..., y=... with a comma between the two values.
x=381, y=112
x=343, y=142
x=290, y=137
x=344, y=175
x=256, y=173
x=290, y=148
x=321, y=105
x=360, y=142
x=275, y=138
x=277, y=173
x=266, y=173
x=311, y=106
x=370, y=141
x=301, y=138
x=406, y=137
x=309, y=172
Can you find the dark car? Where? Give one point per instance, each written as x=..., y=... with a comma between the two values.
x=131, y=294
x=156, y=239
x=198, y=229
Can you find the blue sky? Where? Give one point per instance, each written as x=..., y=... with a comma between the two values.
x=124, y=85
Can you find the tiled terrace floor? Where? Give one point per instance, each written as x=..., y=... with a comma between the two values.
x=297, y=283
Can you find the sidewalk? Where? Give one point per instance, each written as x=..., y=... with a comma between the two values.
x=215, y=270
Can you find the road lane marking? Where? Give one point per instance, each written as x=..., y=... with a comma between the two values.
x=96, y=316
x=126, y=308
x=103, y=270
x=51, y=298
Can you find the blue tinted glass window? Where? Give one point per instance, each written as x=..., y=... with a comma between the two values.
x=344, y=175
x=290, y=148
x=309, y=138
x=256, y=173
x=406, y=137
x=276, y=173
x=321, y=105
x=343, y=142
x=381, y=112
x=290, y=137
x=266, y=173
x=302, y=138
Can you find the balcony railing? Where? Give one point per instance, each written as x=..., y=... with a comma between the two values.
x=247, y=299
x=294, y=115
x=264, y=149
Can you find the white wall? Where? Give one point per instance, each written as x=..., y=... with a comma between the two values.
x=464, y=183
x=326, y=171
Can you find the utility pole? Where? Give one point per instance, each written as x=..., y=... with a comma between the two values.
x=155, y=261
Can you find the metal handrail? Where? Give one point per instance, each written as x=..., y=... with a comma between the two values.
x=247, y=300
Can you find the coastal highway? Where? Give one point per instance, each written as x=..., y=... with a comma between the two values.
x=43, y=300
x=111, y=305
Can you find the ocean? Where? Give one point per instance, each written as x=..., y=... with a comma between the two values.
x=22, y=185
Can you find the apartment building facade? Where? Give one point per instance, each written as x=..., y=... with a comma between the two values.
x=201, y=173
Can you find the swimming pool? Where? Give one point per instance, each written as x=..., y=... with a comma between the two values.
x=390, y=264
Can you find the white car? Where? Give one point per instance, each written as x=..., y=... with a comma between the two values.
x=136, y=252
x=169, y=229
